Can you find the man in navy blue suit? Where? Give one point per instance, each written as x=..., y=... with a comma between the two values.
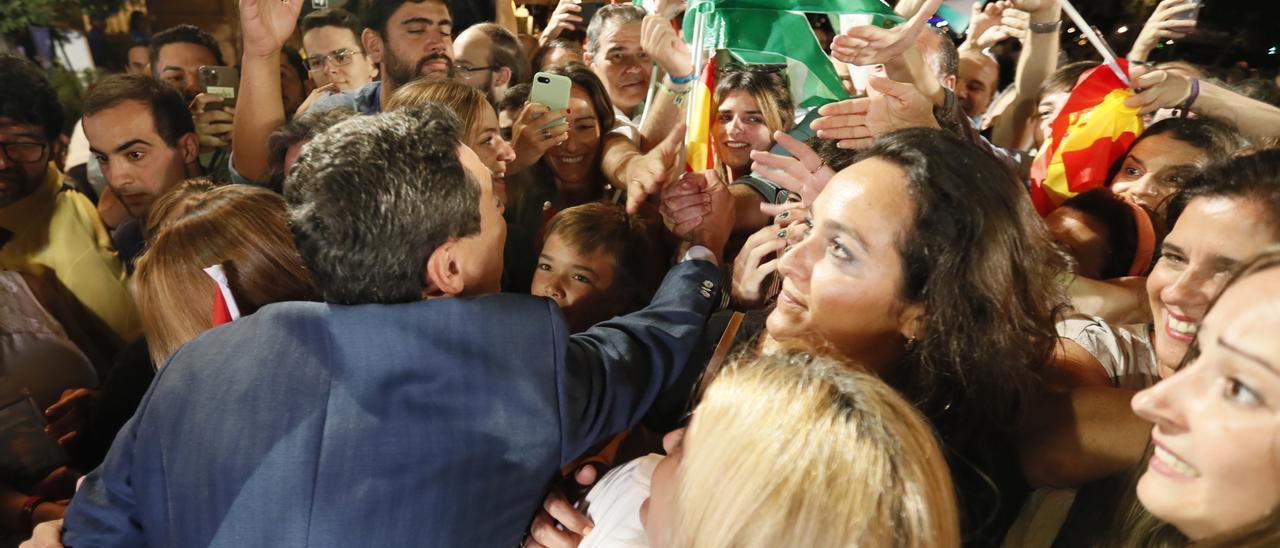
x=413, y=407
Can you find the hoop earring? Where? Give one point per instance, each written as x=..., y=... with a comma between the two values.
x=911, y=343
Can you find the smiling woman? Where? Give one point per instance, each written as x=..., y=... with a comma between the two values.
x=1225, y=396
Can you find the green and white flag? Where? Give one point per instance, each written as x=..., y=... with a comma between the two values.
x=777, y=32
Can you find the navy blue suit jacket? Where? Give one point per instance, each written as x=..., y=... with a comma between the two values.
x=435, y=423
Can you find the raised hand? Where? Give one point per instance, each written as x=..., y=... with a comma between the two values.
x=565, y=17
x=756, y=261
x=1011, y=23
x=684, y=204
x=267, y=24
x=1162, y=26
x=531, y=138
x=665, y=46
x=1156, y=89
x=855, y=123
x=668, y=9
x=804, y=174
x=872, y=45
x=647, y=173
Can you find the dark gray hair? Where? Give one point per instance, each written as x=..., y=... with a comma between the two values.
x=371, y=198
x=619, y=14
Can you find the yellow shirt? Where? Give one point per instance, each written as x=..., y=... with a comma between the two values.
x=59, y=229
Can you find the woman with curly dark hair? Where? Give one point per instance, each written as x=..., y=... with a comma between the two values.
x=926, y=261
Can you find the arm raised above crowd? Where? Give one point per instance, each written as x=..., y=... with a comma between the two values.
x=673, y=56
x=1039, y=58
x=1162, y=25
x=856, y=123
x=1159, y=89
x=266, y=25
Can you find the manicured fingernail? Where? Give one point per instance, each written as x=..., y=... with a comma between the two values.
x=784, y=214
x=782, y=233
x=586, y=531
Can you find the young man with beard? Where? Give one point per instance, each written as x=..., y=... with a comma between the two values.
x=44, y=223
x=408, y=40
x=142, y=136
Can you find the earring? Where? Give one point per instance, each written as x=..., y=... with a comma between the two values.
x=911, y=343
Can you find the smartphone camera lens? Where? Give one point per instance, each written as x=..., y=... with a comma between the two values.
x=544, y=80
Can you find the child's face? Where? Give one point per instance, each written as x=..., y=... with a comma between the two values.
x=581, y=284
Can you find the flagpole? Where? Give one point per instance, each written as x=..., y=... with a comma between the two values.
x=1095, y=40
x=699, y=61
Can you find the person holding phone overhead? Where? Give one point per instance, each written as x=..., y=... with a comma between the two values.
x=1171, y=20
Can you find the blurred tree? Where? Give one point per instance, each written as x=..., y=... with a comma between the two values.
x=17, y=15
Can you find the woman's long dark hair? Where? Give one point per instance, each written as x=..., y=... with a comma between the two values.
x=983, y=266
x=984, y=269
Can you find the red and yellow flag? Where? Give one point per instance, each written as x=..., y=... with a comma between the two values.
x=1092, y=132
x=699, y=154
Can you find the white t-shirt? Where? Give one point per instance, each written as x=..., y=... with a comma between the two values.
x=623, y=125
x=1125, y=351
x=614, y=505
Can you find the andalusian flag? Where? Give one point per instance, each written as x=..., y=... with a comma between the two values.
x=697, y=140
x=777, y=32
x=1092, y=132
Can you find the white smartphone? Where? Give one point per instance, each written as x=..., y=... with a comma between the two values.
x=551, y=90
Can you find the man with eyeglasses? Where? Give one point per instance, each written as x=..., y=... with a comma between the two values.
x=44, y=223
x=331, y=38
x=490, y=59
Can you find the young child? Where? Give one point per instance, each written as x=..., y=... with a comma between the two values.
x=596, y=262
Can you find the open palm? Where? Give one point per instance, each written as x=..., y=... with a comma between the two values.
x=267, y=24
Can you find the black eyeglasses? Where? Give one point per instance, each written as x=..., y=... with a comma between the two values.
x=469, y=68
x=338, y=58
x=24, y=153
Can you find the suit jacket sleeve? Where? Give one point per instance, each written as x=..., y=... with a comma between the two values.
x=104, y=511
x=612, y=373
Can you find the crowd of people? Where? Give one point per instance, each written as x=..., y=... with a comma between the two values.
x=382, y=295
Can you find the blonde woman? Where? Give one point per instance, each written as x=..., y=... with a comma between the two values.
x=788, y=450
x=477, y=115
x=241, y=227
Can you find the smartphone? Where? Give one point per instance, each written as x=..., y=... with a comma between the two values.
x=1189, y=16
x=221, y=81
x=589, y=9
x=551, y=90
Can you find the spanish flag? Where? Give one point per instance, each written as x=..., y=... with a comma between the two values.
x=700, y=155
x=1092, y=132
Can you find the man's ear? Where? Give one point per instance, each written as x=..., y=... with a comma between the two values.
x=441, y=276
x=189, y=148
x=372, y=45
x=501, y=77
x=586, y=58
